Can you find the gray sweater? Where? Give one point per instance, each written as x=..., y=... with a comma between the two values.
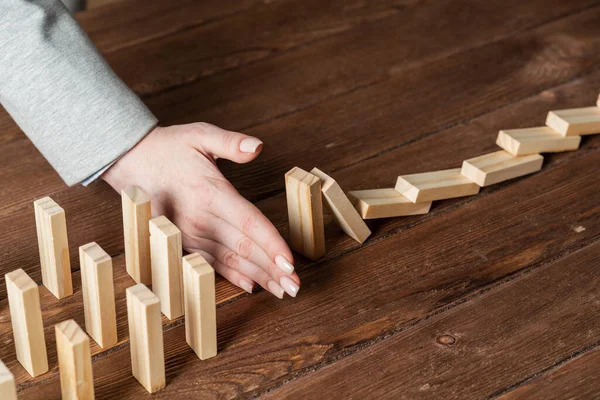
x=62, y=93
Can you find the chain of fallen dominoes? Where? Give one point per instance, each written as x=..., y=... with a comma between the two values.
x=413, y=194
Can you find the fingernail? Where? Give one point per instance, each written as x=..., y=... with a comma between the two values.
x=247, y=286
x=249, y=145
x=289, y=286
x=275, y=289
x=284, y=264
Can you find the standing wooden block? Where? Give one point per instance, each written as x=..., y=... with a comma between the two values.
x=438, y=185
x=166, y=252
x=598, y=101
x=576, y=121
x=500, y=166
x=522, y=142
x=146, y=338
x=305, y=213
x=8, y=389
x=51, y=228
x=341, y=208
x=98, y=294
x=200, y=306
x=136, y=216
x=27, y=325
x=385, y=203
x=74, y=361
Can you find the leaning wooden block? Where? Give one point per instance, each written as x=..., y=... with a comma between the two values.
x=341, y=208
x=8, y=389
x=385, y=203
x=575, y=121
x=500, y=166
x=305, y=213
x=27, y=325
x=74, y=361
x=200, y=306
x=98, y=294
x=166, y=252
x=146, y=338
x=51, y=228
x=438, y=185
x=522, y=142
x=136, y=216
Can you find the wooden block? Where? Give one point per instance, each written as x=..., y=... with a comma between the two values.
x=385, y=203
x=8, y=389
x=166, y=255
x=74, y=361
x=51, y=228
x=522, y=142
x=500, y=166
x=343, y=212
x=146, y=338
x=200, y=306
x=136, y=216
x=305, y=213
x=598, y=101
x=438, y=185
x=27, y=325
x=98, y=294
x=575, y=121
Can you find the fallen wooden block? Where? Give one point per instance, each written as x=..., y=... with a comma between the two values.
x=343, y=212
x=51, y=228
x=98, y=294
x=385, y=203
x=27, y=325
x=438, y=185
x=74, y=361
x=8, y=389
x=575, y=121
x=500, y=166
x=200, y=306
x=522, y=142
x=146, y=338
x=305, y=213
x=136, y=216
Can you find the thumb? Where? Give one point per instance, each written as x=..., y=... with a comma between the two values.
x=232, y=146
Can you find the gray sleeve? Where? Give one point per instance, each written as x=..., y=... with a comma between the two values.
x=62, y=93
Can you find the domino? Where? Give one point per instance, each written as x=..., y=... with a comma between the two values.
x=598, y=101
x=575, y=121
x=166, y=256
x=385, y=203
x=522, y=142
x=98, y=294
x=500, y=166
x=26, y=318
x=343, y=212
x=146, y=338
x=136, y=216
x=7, y=383
x=200, y=306
x=438, y=185
x=305, y=213
x=51, y=228
x=74, y=361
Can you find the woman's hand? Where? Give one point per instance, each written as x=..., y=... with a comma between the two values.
x=176, y=166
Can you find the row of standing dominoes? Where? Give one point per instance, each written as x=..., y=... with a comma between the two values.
x=180, y=285
x=414, y=194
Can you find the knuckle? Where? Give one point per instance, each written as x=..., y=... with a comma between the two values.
x=245, y=247
x=248, y=223
x=231, y=259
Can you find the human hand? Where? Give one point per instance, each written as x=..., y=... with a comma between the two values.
x=176, y=167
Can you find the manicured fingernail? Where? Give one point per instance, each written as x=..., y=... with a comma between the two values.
x=275, y=289
x=284, y=264
x=247, y=286
x=249, y=145
x=289, y=286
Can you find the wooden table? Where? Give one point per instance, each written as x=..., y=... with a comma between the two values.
x=493, y=295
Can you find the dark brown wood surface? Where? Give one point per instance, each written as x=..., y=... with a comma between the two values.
x=494, y=295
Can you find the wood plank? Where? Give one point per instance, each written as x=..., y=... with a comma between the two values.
x=75, y=361
x=541, y=139
x=137, y=213
x=500, y=166
x=484, y=344
x=575, y=121
x=385, y=203
x=437, y=185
